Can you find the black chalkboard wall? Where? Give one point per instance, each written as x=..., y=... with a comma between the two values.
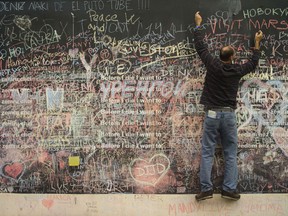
x=103, y=96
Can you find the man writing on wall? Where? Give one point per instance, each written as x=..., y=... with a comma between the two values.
x=219, y=100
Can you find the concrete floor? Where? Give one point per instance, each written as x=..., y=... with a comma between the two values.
x=140, y=205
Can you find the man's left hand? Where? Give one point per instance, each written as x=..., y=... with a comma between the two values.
x=198, y=18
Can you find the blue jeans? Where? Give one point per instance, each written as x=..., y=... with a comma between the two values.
x=221, y=125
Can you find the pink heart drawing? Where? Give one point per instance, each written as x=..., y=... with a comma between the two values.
x=13, y=170
x=280, y=135
x=48, y=203
x=149, y=172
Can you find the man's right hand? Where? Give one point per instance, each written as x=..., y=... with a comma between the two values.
x=258, y=36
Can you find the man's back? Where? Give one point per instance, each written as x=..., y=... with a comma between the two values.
x=222, y=79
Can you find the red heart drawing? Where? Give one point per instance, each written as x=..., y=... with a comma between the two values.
x=13, y=170
x=48, y=203
x=280, y=135
x=149, y=172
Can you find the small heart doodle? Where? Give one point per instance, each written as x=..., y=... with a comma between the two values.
x=48, y=203
x=13, y=170
x=149, y=172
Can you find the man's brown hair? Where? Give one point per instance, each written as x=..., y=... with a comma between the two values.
x=226, y=52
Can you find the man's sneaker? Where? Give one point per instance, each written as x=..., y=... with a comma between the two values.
x=230, y=195
x=204, y=195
